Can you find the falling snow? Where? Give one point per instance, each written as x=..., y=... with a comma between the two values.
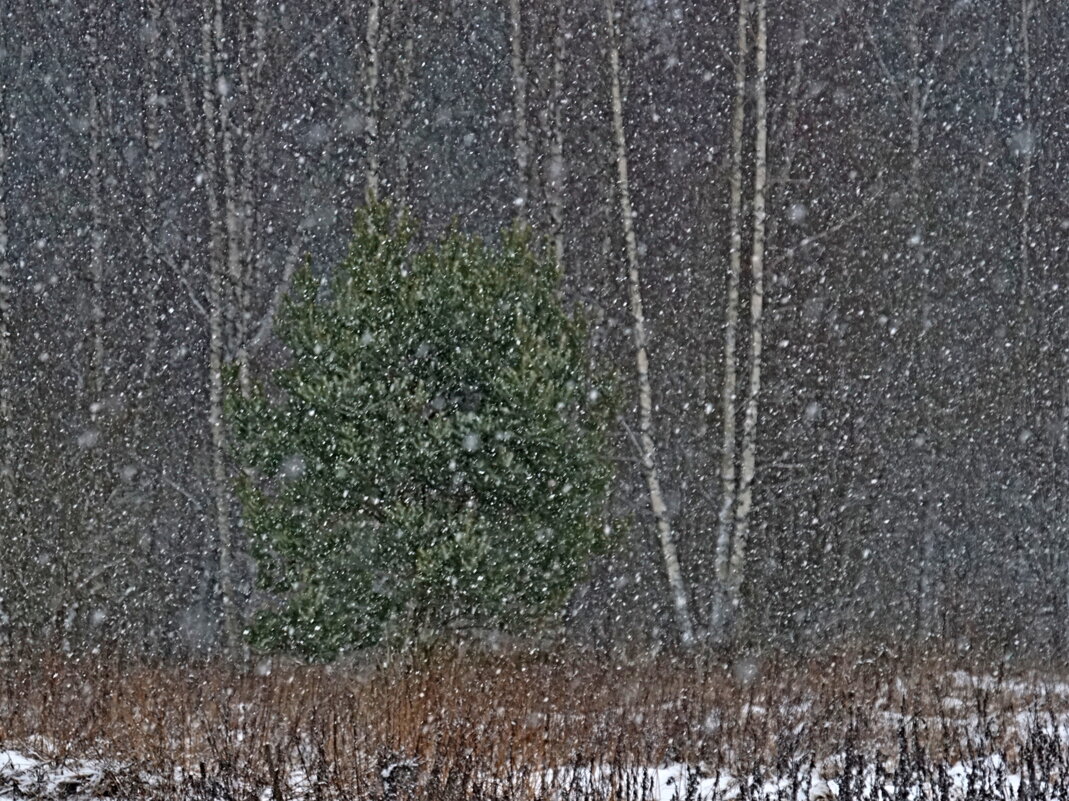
x=817, y=253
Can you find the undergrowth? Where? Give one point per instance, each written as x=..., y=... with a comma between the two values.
x=473, y=724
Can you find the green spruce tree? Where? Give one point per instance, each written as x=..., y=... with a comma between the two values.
x=432, y=457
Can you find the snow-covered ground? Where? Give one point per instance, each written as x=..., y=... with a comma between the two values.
x=985, y=778
x=26, y=774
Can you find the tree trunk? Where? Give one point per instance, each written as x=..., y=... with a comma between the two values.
x=677, y=586
x=555, y=184
x=15, y=543
x=401, y=118
x=247, y=261
x=371, y=99
x=95, y=273
x=926, y=590
x=522, y=141
x=1060, y=584
x=235, y=334
x=211, y=35
x=150, y=134
x=140, y=444
x=748, y=460
x=91, y=545
x=721, y=612
x=7, y=443
x=1027, y=146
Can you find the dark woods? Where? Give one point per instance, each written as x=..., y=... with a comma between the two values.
x=165, y=167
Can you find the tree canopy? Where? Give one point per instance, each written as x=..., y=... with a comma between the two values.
x=432, y=456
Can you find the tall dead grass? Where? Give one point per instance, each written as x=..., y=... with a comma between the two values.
x=469, y=723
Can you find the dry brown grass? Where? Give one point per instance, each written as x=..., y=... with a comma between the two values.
x=471, y=724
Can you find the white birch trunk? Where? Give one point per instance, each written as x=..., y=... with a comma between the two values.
x=216, y=322
x=248, y=263
x=1063, y=502
x=146, y=572
x=402, y=100
x=371, y=99
x=1027, y=146
x=521, y=134
x=721, y=613
x=150, y=212
x=748, y=460
x=234, y=342
x=926, y=589
x=555, y=184
x=676, y=583
x=7, y=443
x=95, y=273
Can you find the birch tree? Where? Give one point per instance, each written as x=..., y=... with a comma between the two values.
x=211, y=34
x=140, y=441
x=233, y=113
x=729, y=387
x=94, y=276
x=521, y=135
x=9, y=513
x=1026, y=148
x=150, y=212
x=748, y=456
x=251, y=57
x=234, y=284
x=404, y=16
x=555, y=182
x=7, y=447
x=371, y=99
x=245, y=301
x=647, y=445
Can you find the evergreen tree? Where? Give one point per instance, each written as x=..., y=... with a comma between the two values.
x=432, y=457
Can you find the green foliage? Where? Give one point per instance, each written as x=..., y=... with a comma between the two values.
x=433, y=456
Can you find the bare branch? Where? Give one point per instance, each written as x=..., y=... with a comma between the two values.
x=266, y=324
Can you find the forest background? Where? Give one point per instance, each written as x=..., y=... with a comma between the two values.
x=165, y=166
